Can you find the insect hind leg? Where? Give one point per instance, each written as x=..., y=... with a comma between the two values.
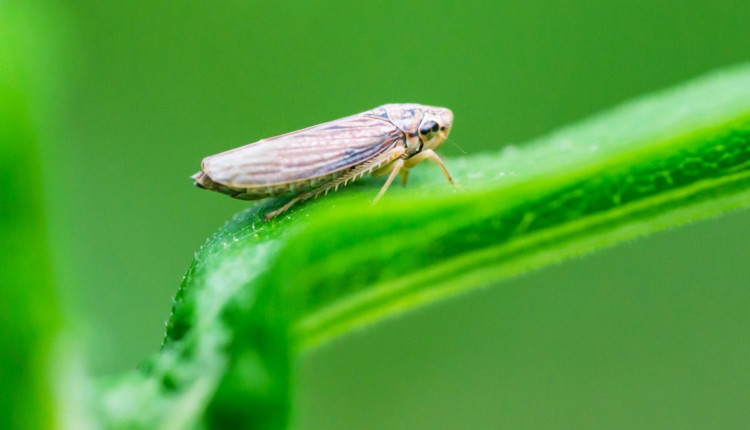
x=283, y=209
x=352, y=175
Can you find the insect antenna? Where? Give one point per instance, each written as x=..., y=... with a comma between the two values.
x=455, y=144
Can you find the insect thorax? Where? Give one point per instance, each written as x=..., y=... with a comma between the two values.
x=406, y=117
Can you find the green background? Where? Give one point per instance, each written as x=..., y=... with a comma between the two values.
x=650, y=333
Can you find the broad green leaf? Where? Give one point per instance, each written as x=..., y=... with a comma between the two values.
x=259, y=294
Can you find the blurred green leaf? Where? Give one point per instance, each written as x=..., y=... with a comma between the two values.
x=258, y=294
x=29, y=317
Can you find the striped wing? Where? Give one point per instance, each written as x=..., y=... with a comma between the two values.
x=305, y=154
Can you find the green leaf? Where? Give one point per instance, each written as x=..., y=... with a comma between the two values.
x=29, y=316
x=258, y=294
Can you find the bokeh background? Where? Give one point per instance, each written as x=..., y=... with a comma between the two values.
x=132, y=95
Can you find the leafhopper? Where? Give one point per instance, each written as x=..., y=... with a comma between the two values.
x=388, y=140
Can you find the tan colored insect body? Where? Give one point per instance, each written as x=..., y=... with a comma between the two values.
x=388, y=140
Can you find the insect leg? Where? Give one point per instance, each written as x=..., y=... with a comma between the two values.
x=284, y=208
x=404, y=176
x=397, y=165
x=357, y=172
x=413, y=161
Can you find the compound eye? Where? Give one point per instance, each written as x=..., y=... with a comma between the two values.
x=429, y=129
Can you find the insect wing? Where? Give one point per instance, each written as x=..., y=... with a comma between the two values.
x=305, y=154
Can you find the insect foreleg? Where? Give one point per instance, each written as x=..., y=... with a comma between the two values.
x=429, y=153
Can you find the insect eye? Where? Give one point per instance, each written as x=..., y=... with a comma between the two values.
x=429, y=128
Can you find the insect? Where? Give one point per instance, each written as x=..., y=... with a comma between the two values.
x=388, y=140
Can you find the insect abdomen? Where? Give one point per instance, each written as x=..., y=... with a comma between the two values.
x=202, y=180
